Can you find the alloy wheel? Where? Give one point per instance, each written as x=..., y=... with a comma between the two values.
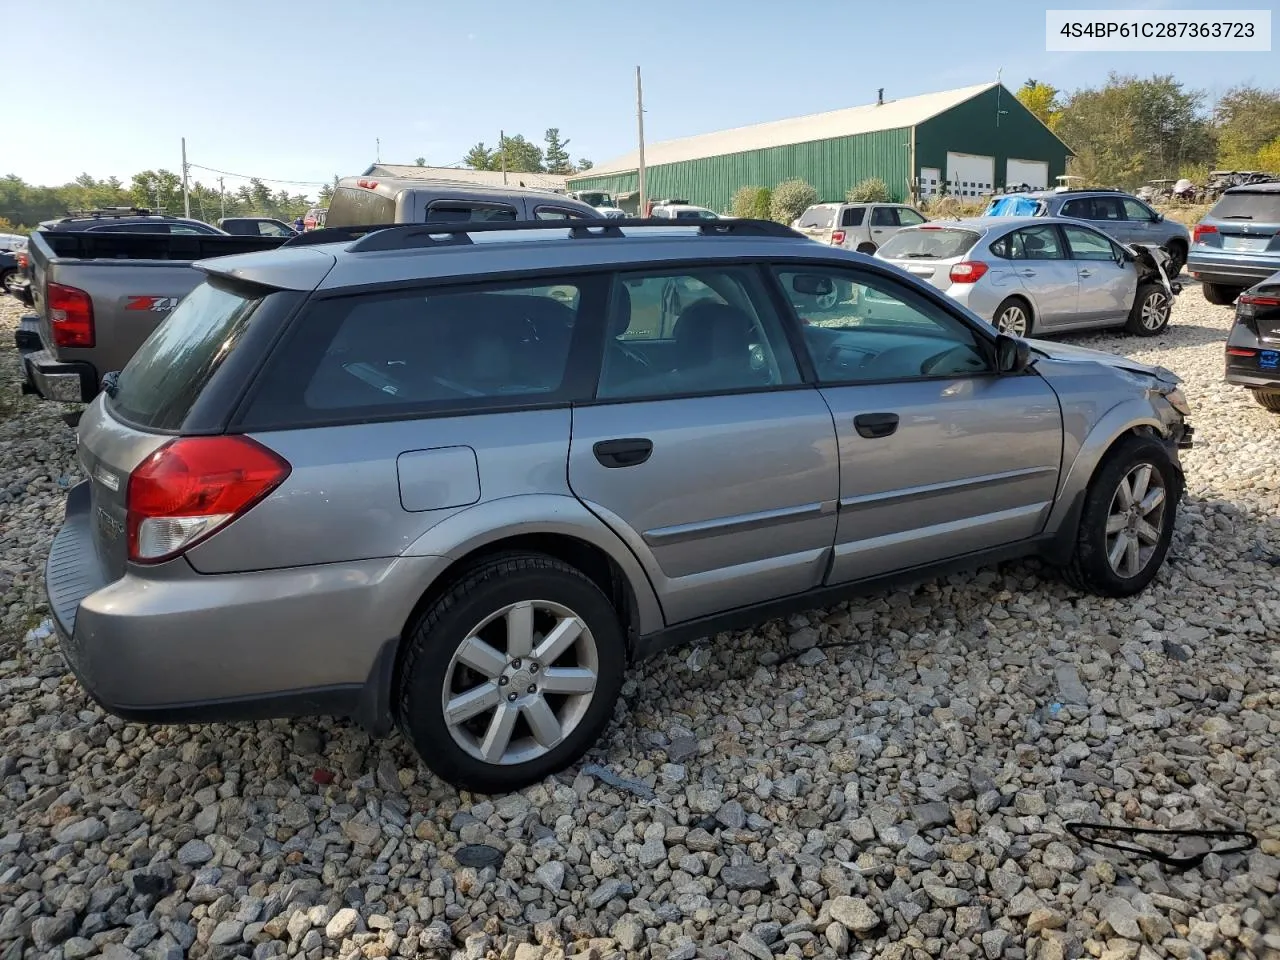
x=520, y=682
x=1135, y=520
x=1155, y=310
x=1012, y=321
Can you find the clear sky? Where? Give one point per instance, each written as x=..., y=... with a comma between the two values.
x=300, y=90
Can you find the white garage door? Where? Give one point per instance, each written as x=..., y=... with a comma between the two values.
x=970, y=175
x=1034, y=173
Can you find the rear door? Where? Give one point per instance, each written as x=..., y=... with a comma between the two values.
x=1047, y=275
x=884, y=224
x=939, y=455
x=1139, y=222
x=1107, y=281
x=703, y=449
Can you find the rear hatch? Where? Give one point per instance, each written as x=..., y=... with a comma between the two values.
x=149, y=403
x=819, y=221
x=1260, y=308
x=1245, y=224
x=928, y=252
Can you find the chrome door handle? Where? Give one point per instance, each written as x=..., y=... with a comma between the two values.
x=1086, y=273
x=1027, y=273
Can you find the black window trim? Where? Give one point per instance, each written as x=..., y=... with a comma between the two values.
x=468, y=202
x=984, y=339
x=858, y=221
x=1083, y=225
x=1062, y=242
x=569, y=212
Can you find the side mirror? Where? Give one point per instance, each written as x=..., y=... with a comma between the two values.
x=1159, y=217
x=812, y=284
x=1013, y=355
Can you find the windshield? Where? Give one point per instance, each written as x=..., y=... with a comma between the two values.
x=933, y=243
x=1259, y=206
x=158, y=387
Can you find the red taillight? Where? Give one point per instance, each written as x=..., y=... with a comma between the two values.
x=1257, y=301
x=367, y=184
x=1202, y=230
x=192, y=487
x=70, y=316
x=23, y=260
x=837, y=237
x=968, y=271
x=1241, y=352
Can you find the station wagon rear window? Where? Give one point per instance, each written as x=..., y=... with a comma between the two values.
x=941, y=243
x=818, y=218
x=158, y=387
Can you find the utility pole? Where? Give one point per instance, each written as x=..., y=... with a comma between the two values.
x=222, y=195
x=502, y=151
x=640, y=127
x=186, y=194
x=377, y=153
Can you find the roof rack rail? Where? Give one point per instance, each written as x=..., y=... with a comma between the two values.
x=108, y=212
x=404, y=236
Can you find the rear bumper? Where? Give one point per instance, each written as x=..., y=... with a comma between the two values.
x=1231, y=271
x=168, y=645
x=45, y=375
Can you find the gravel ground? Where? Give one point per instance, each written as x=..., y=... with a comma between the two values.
x=902, y=795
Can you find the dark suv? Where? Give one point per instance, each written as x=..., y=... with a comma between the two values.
x=1253, y=346
x=128, y=220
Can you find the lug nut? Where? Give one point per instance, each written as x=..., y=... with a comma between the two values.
x=515, y=664
x=503, y=681
x=511, y=698
x=532, y=689
x=533, y=668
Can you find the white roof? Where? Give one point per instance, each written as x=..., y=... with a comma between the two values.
x=484, y=178
x=868, y=118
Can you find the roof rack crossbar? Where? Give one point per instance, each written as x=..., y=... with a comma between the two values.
x=404, y=236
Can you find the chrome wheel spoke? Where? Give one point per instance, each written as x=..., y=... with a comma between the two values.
x=569, y=680
x=498, y=736
x=520, y=630
x=1118, y=550
x=481, y=657
x=475, y=701
x=1132, y=556
x=1141, y=479
x=561, y=637
x=1147, y=533
x=1152, y=500
x=542, y=721
x=1116, y=522
x=1124, y=495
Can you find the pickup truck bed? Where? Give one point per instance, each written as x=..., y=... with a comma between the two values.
x=110, y=290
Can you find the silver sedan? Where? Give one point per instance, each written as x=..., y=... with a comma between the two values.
x=1037, y=275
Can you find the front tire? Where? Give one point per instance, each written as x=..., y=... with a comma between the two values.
x=1013, y=317
x=1221, y=295
x=9, y=281
x=511, y=674
x=1127, y=521
x=1269, y=399
x=1150, y=312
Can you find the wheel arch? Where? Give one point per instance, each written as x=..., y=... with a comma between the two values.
x=1132, y=418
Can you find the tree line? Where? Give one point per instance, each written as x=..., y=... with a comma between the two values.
x=1131, y=130
x=518, y=155
x=24, y=205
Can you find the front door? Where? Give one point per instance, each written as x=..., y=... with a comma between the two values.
x=704, y=450
x=1107, y=282
x=1047, y=275
x=939, y=456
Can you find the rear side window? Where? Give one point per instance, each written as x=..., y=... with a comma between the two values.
x=1262, y=207
x=158, y=387
x=436, y=350
x=454, y=211
x=852, y=216
x=932, y=244
x=884, y=217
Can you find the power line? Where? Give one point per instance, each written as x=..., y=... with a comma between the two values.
x=244, y=176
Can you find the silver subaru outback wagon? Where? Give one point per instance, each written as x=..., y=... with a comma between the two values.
x=458, y=477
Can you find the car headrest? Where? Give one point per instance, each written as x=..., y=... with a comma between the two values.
x=708, y=330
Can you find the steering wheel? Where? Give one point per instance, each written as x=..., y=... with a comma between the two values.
x=931, y=364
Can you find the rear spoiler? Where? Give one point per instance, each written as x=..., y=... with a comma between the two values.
x=109, y=245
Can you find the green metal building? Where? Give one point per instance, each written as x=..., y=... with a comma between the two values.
x=969, y=142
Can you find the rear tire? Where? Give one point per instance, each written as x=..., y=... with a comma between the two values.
x=9, y=281
x=533, y=718
x=867, y=248
x=1269, y=399
x=1220, y=294
x=1101, y=564
x=1150, y=312
x=1013, y=317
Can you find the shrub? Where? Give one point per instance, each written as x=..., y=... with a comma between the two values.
x=870, y=190
x=939, y=208
x=751, y=203
x=790, y=199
